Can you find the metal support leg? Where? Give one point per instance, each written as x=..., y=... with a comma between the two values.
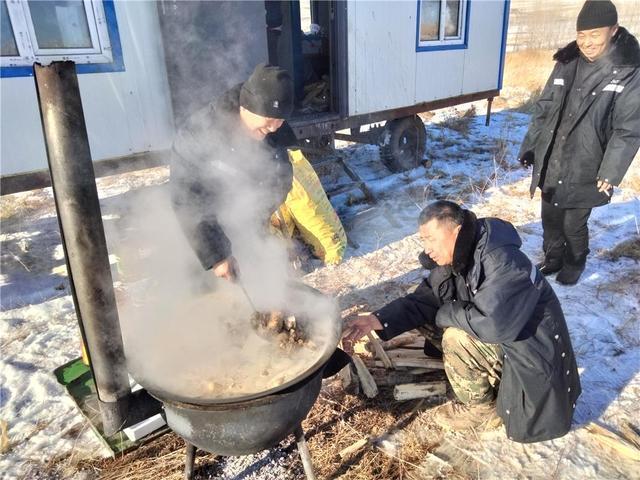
x=488, y=119
x=305, y=456
x=189, y=461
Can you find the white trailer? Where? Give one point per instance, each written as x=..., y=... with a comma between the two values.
x=144, y=65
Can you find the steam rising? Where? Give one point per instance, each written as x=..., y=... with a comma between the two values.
x=188, y=334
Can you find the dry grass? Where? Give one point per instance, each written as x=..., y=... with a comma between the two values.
x=632, y=178
x=527, y=105
x=336, y=421
x=629, y=248
x=26, y=204
x=161, y=458
x=461, y=123
x=528, y=69
x=525, y=74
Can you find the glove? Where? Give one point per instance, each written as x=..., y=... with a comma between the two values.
x=526, y=159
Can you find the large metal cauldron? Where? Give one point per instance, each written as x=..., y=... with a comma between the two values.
x=248, y=424
x=245, y=427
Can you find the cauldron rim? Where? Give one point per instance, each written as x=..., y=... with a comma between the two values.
x=292, y=384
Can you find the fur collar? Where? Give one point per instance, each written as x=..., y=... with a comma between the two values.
x=625, y=51
x=465, y=243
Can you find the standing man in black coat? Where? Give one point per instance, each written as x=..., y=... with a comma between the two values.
x=584, y=133
x=231, y=157
x=505, y=343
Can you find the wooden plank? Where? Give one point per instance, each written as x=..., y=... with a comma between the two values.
x=144, y=428
x=409, y=391
x=414, y=363
x=608, y=438
x=369, y=387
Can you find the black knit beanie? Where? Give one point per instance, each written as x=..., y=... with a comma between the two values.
x=596, y=14
x=268, y=92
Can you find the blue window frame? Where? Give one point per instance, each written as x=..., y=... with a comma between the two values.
x=442, y=25
x=84, y=31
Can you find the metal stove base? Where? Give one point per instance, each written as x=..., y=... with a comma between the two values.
x=303, y=451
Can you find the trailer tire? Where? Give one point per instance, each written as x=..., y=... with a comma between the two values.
x=402, y=143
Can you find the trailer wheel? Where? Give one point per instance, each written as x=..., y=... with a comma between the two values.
x=402, y=143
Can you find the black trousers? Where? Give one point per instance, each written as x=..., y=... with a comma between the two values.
x=565, y=234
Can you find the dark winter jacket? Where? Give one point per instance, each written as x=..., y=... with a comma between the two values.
x=207, y=166
x=493, y=292
x=603, y=135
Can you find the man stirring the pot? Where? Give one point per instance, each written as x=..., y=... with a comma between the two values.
x=503, y=337
x=238, y=142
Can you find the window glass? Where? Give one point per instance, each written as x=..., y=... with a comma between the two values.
x=451, y=28
x=60, y=24
x=9, y=47
x=430, y=20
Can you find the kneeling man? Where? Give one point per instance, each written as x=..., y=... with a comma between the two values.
x=502, y=333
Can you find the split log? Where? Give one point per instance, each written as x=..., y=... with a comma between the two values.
x=354, y=447
x=409, y=391
x=347, y=312
x=369, y=387
x=4, y=436
x=422, y=371
x=424, y=362
x=403, y=341
x=406, y=353
x=630, y=433
x=386, y=378
x=415, y=344
x=380, y=353
x=608, y=438
x=345, y=374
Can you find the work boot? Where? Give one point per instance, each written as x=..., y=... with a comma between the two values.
x=458, y=416
x=549, y=267
x=570, y=274
x=572, y=269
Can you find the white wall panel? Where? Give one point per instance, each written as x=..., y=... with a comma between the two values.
x=125, y=112
x=439, y=74
x=382, y=55
x=386, y=71
x=482, y=58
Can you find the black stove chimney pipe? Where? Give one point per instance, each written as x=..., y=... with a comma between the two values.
x=83, y=240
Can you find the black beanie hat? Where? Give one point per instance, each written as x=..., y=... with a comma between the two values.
x=596, y=14
x=268, y=92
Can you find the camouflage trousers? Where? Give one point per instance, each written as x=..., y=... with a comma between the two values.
x=473, y=367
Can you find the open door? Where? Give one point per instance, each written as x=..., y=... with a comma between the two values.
x=308, y=38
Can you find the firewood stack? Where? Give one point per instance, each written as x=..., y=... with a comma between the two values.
x=399, y=363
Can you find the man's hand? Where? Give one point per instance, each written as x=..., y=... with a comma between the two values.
x=604, y=186
x=357, y=327
x=227, y=269
x=526, y=160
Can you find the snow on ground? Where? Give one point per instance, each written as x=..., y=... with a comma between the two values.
x=38, y=330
